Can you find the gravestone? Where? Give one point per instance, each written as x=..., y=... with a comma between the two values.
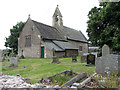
x=18, y=59
x=108, y=62
x=105, y=50
x=74, y=58
x=83, y=59
x=13, y=62
x=90, y=59
x=55, y=59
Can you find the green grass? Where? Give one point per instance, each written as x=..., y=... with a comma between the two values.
x=35, y=69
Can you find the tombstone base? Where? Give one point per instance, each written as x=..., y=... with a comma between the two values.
x=55, y=60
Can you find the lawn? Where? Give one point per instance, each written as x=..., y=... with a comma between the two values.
x=35, y=69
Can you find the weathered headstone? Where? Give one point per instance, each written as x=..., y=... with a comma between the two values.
x=90, y=59
x=13, y=62
x=18, y=59
x=108, y=62
x=55, y=59
x=74, y=58
x=83, y=59
x=105, y=50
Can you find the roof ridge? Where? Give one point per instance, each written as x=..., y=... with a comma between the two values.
x=42, y=24
x=71, y=28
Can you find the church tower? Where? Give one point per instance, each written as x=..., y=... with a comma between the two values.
x=57, y=18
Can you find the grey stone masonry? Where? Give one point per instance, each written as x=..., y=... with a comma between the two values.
x=105, y=50
x=108, y=62
x=13, y=62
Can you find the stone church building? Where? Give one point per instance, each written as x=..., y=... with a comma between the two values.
x=37, y=40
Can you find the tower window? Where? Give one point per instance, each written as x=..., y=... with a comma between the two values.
x=56, y=18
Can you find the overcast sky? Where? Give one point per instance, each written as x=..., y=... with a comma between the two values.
x=74, y=13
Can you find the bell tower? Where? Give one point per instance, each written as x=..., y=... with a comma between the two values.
x=57, y=18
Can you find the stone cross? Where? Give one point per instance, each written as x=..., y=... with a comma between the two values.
x=105, y=50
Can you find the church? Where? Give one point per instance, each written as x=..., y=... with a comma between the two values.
x=38, y=40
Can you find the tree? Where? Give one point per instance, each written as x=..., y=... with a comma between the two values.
x=12, y=40
x=104, y=25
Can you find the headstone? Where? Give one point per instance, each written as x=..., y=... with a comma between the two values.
x=13, y=62
x=83, y=59
x=108, y=62
x=74, y=58
x=105, y=50
x=18, y=59
x=55, y=60
x=91, y=59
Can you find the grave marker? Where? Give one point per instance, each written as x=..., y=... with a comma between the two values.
x=105, y=50
x=108, y=62
x=13, y=62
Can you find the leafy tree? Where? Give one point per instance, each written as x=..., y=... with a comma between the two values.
x=104, y=25
x=12, y=40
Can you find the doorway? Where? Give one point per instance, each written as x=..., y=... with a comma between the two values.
x=42, y=52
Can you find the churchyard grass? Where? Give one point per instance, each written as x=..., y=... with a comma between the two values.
x=35, y=69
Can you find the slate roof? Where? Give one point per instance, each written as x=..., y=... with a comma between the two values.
x=58, y=45
x=74, y=34
x=52, y=33
x=48, y=32
x=64, y=45
x=51, y=45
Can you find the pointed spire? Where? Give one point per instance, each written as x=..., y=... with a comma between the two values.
x=57, y=11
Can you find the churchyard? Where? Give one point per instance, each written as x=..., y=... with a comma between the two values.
x=35, y=69
x=66, y=73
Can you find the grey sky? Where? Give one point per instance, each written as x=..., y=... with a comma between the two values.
x=74, y=13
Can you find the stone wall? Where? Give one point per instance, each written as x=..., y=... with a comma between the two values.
x=70, y=53
x=60, y=54
x=33, y=51
x=84, y=46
